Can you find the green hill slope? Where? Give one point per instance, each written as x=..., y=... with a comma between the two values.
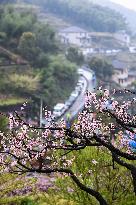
x=32, y=64
x=84, y=14
x=129, y=14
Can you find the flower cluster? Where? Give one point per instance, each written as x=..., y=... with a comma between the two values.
x=28, y=147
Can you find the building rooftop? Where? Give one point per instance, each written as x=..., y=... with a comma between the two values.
x=73, y=29
x=132, y=73
x=119, y=65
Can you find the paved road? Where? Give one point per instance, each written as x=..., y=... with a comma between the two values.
x=89, y=85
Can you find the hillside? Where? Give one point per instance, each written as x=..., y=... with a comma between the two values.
x=84, y=14
x=31, y=61
x=129, y=14
x=53, y=20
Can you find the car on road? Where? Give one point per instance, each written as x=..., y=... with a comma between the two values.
x=58, y=110
x=72, y=98
x=93, y=76
x=67, y=104
x=78, y=88
x=80, y=83
x=74, y=94
x=80, y=71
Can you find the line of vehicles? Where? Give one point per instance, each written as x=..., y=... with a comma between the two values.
x=61, y=108
x=88, y=52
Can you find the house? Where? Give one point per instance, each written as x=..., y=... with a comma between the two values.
x=120, y=75
x=76, y=36
x=87, y=50
x=122, y=37
x=132, y=75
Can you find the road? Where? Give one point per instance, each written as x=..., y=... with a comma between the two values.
x=77, y=106
x=89, y=85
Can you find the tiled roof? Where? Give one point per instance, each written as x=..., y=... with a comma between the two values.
x=132, y=73
x=119, y=64
x=73, y=29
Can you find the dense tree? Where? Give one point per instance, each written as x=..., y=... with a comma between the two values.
x=101, y=67
x=55, y=77
x=14, y=23
x=27, y=46
x=74, y=55
x=46, y=38
x=33, y=47
x=24, y=84
x=85, y=14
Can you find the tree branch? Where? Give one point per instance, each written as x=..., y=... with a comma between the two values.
x=131, y=167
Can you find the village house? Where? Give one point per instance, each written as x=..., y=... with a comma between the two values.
x=132, y=75
x=122, y=75
x=80, y=37
x=122, y=37
x=75, y=36
x=87, y=41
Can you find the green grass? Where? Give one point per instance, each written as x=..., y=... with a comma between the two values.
x=39, y=199
x=12, y=101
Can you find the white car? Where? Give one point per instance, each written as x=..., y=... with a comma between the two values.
x=80, y=83
x=70, y=100
x=80, y=71
x=74, y=94
x=58, y=110
x=67, y=104
x=78, y=88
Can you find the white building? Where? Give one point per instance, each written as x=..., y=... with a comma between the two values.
x=132, y=75
x=76, y=36
x=120, y=75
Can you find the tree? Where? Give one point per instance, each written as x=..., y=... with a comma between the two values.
x=46, y=38
x=27, y=45
x=30, y=49
x=49, y=149
x=102, y=68
x=85, y=14
x=27, y=85
x=74, y=55
x=59, y=73
x=14, y=23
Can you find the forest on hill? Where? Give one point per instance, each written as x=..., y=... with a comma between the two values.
x=129, y=14
x=85, y=14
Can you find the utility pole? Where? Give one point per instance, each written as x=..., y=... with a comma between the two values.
x=41, y=111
